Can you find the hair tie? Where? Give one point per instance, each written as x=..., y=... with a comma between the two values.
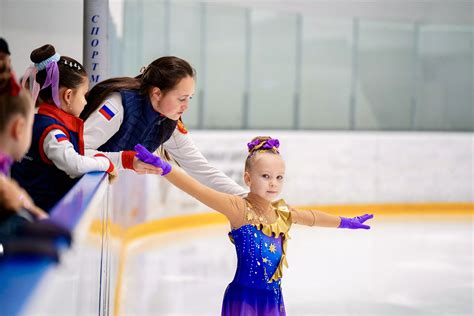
x=253, y=144
x=52, y=78
x=271, y=143
x=42, y=65
x=143, y=69
x=261, y=144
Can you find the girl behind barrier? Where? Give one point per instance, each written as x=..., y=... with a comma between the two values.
x=56, y=159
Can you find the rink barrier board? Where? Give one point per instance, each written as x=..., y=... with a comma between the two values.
x=21, y=278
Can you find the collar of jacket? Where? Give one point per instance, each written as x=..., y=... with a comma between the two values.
x=71, y=122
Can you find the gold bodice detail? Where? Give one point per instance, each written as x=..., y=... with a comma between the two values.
x=280, y=226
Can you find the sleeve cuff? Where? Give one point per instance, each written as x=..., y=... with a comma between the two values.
x=111, y=165
x=127, y=159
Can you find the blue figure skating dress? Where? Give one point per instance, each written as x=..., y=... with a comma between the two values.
x=261, y=254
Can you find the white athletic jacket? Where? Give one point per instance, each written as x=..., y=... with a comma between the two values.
x=98, y=129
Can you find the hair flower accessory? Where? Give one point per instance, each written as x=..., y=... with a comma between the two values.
x=271, y=143
x=262, y=144
x=253, y=144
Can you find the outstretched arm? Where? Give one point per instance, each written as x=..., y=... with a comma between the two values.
x=224, y=203
x=322, y=219
x=184, y=151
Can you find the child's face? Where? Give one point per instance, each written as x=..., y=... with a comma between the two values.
x=77, y=98
x=266, y=175
x=174, y=102
x=24, y=133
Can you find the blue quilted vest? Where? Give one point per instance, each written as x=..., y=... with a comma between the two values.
x=141, y=125
x=45, y=183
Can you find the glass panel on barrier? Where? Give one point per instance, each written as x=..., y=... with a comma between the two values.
x=272, y=83
x=386, y=68
x=446, y=78
x=155, y=40
x=132, y=48
x=326, y=68
x=264, y=68
x=138, y=35
x=225, y=74
x=186, y=40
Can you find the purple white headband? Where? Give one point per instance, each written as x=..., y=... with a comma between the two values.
x=52, y=77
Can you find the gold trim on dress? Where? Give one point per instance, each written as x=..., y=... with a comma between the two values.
x=280, y=226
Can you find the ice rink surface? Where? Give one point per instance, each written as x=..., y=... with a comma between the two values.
x=412, y=267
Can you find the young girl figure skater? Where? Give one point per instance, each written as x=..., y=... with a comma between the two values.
x=56, y=158
x=259, y=226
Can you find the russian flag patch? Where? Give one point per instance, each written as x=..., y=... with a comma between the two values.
x=107, y=112
x=60, y=137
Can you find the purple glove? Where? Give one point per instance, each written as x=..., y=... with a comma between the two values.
x=355, y=222
x=144, y=155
